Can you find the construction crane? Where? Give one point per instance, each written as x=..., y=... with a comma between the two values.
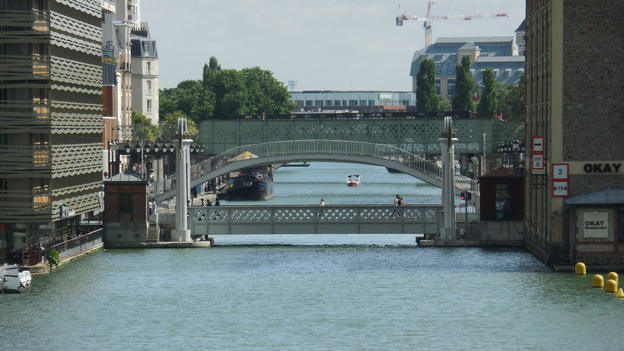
x=427, y=20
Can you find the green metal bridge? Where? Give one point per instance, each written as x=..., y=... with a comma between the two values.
x=415, y=135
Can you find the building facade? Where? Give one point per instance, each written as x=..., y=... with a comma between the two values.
x=574, y=127
x=51, y=117
x=144, y=73
x=498, y=53
x=357, y=101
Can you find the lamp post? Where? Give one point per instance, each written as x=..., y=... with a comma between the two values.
x=447, y=140
x=515, y=147
x=112, y=156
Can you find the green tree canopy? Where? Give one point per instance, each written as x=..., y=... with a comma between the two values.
x=464, y=86
x=488, y=104
x=142, y=128
x=426, y=97
x=227, y=93
x=169, y=126
x=190, y=98
x=511, y=101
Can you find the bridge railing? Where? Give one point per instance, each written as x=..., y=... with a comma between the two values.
x=307, y=147
x=312, y=219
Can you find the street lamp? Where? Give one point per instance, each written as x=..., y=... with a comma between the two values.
x=515, y=147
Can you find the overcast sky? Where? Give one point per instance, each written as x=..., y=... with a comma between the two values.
x=320, y=44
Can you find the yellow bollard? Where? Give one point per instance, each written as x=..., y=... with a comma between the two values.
x=620, y=294
x=612, y=275
x=580, y=269
x=597, y=281
x=611, y=286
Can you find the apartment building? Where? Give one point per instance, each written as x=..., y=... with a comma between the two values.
x=50, y=118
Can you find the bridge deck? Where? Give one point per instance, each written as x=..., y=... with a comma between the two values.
x=306, y=219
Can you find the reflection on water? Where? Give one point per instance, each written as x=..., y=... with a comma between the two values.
x=314, y=292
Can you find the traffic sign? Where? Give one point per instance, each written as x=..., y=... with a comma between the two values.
x=560, y=188
x=537, y=164
x=538, y=145
x=560, y=171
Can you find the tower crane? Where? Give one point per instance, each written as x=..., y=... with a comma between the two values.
x=427, y=20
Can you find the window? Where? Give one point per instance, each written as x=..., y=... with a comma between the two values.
x=149, y=106
x=148, y=68
x=149, y=87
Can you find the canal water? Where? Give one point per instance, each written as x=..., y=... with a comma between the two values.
x=313, y=292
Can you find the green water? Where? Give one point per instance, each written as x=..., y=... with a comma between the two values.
x=315, y=292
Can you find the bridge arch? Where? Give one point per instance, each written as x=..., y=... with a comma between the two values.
x=316, y=151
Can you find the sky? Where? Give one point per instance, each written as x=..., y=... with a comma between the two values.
x=341, y=45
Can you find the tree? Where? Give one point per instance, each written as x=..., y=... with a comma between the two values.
x=190, y=98
x=169, y=126
x=265, y=94
x=227, y=93
x=142, y=128
x=464, y=86
x=228, y=86
x=488, y=104
x=511, y=101
x=426, y=97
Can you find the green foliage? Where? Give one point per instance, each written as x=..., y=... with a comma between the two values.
x=426, y=97
x=142, y=128
x=511, y=101
x=444, y=105
x=54, y=258
x=464, y=86
x=488, y=104
x=226, y=93
x=265, y=94
x=190, y=97
x=169, y=126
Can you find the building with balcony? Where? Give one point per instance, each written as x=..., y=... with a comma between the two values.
x=51, y=117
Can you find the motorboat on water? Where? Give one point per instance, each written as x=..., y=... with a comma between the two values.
x=353, y=180
x=297, y=164
x=14, y=281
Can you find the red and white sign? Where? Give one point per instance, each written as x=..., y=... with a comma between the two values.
x=560, y=189
x=560, y=176
x=537, y=156
x=538, y=145
x=560, y=171
x=537, y=164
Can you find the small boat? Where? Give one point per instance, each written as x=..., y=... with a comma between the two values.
x=13, y=281
x=297, y=164
x=353, y=180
